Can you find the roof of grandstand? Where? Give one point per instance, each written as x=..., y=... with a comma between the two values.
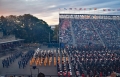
x=10, y=41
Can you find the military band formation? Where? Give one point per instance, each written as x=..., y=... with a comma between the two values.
x=46, y=58
x=70, y=61
x=10, y=59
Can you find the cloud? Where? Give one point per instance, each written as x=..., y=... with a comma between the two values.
x=48, y=10
x=52, y=6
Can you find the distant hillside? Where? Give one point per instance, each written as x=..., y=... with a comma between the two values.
x=26, y=27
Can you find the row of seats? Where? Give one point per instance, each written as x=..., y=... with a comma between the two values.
x=94, y=31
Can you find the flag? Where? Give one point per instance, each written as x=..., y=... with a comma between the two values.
x=65, y=24
x=118, y=9
x=104, y=9
x=75, y=8
x=95, y=8
x=113, y=9
x=80, y=8
x=70, y=8
x=90, y=8
x=65, y=9
x=109, y=9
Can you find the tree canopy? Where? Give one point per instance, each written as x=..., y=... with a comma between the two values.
x=26, y=27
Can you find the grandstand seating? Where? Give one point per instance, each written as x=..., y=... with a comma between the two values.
x=103, y=32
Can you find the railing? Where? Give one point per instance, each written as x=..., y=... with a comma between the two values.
x=34, y=75
x=98, y=34
x=115, y=26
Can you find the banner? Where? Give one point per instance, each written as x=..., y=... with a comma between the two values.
x=65, y=9
x=80, y=9
x=70, y=8
x=95, y=8
x=104, y=9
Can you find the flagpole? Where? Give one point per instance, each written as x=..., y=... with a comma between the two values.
x=89, y=10
x=64, y=10
x=95, y=11
x=111, y=12
x=103, y=11
x=84, y=10
x=98, y=12
x=69, y=10
x=58, y=29
x=74, y=11
x=79, y=10
x=59, y=10
x=58, y=34
x=116, y=11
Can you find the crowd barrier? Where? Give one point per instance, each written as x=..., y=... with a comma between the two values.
x=35, y=75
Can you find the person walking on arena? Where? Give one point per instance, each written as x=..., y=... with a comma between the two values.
x=41, y=75
x=19, y=63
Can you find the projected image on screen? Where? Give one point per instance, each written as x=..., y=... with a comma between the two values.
x=65, y=31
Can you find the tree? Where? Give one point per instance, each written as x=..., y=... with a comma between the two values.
x=56, y=33
x=26, y=27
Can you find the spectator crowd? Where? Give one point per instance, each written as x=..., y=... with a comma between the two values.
x=94, y=63
x=102, y=32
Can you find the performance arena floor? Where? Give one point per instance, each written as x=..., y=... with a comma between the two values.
x=14, y=69
x=48, y=70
